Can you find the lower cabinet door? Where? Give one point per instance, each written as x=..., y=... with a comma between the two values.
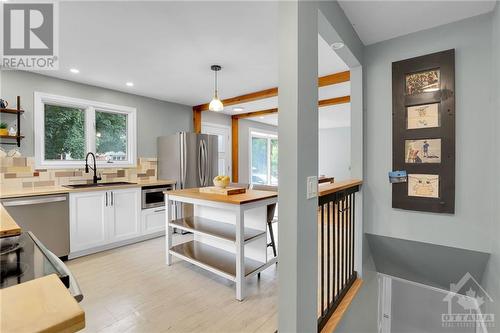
x=124, y=222
x=88, y=220
x=153, y=220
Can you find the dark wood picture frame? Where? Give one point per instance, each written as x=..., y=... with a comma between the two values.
x=445, y=97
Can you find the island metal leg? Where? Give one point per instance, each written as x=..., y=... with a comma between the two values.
x=168, y=230
x=240, y=257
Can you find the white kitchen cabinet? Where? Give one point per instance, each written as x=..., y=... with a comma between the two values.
x=88, y=220
x=99, y=219
x=124, y=220
x=153, y=220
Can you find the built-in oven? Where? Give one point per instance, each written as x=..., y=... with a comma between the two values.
x=152, y=196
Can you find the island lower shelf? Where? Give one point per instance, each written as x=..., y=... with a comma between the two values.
x=216, y=229
x=214, y=259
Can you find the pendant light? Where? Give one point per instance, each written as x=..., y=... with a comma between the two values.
x=216, y=103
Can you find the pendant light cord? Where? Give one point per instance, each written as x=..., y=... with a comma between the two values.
x=216, y=87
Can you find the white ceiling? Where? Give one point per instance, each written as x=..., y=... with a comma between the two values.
x=166, y=48
x=375, y=21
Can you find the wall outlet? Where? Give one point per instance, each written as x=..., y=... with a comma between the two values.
x=312, y=187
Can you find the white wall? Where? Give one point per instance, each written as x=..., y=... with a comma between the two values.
x=244, y=144
x=243, y=138
x=470, y=226
x=491, y=279
x=216, y=118
x=335, y=152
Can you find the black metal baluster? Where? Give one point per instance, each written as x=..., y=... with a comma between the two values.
x=328, y=255
x=322, y=262
x=351, y=252
x=338, y=246
x=353, y=228
x=344, y=233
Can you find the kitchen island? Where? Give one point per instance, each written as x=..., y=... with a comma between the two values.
x=230, y=233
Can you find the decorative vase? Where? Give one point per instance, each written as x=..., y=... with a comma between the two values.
x=4, y=131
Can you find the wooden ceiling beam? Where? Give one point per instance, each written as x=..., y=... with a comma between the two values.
x=322, y=103
x=334, y=101
x=323, y=81
x=242, y=99
x=335, y=78
x=255, y=114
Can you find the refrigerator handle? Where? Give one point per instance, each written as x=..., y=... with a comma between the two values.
x=207, y=164
x=200, y=162
x=184, y=157
x=181, y=158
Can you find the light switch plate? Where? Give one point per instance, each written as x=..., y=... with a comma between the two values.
x=312, y=187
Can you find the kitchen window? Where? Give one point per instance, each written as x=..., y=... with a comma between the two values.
x=67, y=128
x=263, y=158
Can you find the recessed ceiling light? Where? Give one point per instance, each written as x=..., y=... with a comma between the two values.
x=337, y=45
x=130, y=84
x=238, y=108
x=74, y=71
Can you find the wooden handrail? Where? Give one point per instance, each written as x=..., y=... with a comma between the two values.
x=329, y=188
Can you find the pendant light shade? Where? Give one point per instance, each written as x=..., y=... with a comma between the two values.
x=216, y=104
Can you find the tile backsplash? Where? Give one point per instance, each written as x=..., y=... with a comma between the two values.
x=20, y=172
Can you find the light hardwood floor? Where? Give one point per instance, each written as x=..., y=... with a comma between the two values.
x=130, y=289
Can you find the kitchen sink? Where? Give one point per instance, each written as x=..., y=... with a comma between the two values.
x=98, y=185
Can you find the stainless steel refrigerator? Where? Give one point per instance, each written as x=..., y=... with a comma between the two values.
x=189, y=158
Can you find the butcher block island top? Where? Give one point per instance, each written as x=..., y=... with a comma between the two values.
x=236, y=199
x=40, y=305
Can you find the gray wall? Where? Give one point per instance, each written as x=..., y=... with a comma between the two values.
x=470, y=226
x=492, y=274
x=335, y=152
x=154, y=117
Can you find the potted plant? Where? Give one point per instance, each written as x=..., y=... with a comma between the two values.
x=3, y=128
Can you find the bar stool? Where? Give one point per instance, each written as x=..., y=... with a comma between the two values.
x=271, y=210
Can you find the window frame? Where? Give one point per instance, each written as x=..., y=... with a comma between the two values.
x=263, y=134
x=89, y=108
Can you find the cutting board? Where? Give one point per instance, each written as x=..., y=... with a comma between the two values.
x=223, y=191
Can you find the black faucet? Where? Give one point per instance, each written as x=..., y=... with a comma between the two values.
x=87, y=166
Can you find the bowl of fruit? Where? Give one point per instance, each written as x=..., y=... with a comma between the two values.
x=221, y=181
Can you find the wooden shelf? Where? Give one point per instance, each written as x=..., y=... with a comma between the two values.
x=18, y=113
x=13, y=111
x=11, y=136
x=204, y=226
x=214, y=259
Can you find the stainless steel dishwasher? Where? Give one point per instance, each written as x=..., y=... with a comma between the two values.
x=46, y=216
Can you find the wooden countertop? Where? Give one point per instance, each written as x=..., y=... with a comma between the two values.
x=8, y=227
x=46, y=190
x=235, y=199
x=40, y=305
x=329, y=188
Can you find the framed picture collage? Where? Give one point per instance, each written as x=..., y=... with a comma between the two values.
x=423, y=119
